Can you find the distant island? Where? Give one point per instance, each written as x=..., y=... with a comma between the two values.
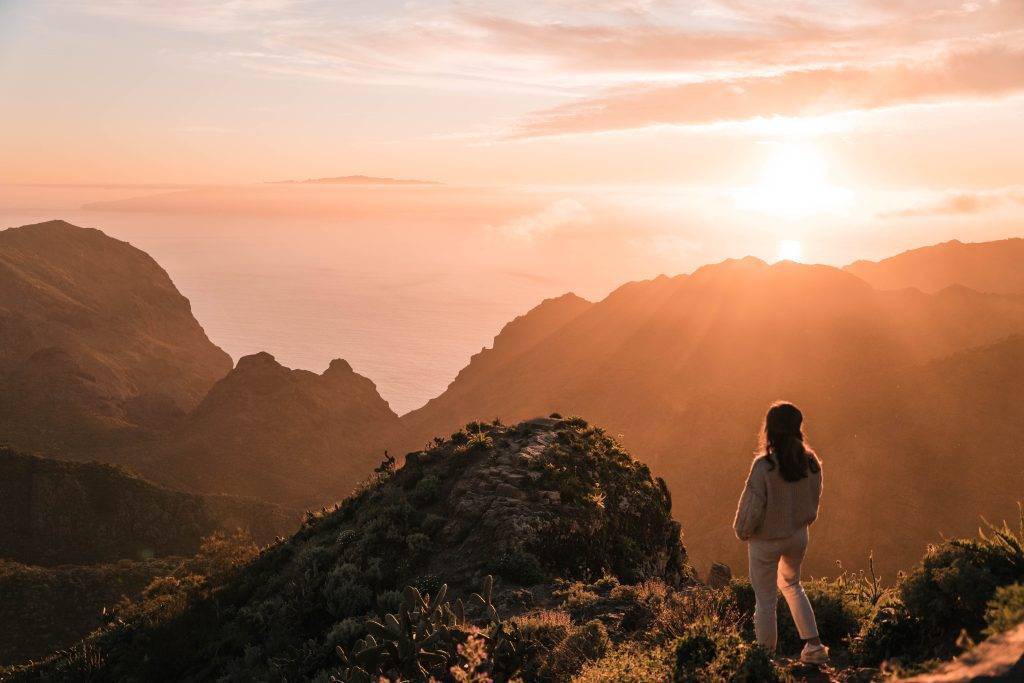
x=355, y=180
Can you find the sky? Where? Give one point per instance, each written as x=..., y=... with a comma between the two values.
x=903, y=111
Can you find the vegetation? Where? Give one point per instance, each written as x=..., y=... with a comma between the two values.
x=54, y=608
x=492, y=492
x=57, y=512
x=461, y=566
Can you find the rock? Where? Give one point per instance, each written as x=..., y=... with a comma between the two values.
x=719, y=575
x=999, y=658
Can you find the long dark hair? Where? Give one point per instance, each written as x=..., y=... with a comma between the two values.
x=783, y=442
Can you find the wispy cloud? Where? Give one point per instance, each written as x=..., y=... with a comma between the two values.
x=558, y=214
x=812, y=92
x=961, y=204
x=626, y=63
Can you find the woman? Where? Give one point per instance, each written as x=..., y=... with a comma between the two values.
x=778, y=503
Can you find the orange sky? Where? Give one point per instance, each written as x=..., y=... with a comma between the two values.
x=904, y=110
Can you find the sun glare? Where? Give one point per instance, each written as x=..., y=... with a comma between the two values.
x=790, y=250
x=794, y=182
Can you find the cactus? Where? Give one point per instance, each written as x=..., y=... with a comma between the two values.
x=424, y=636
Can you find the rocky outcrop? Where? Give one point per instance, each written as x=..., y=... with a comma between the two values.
x=999, y=658
x=294, y=437
x=54, y=512
x=543, y=500
x=95, y=340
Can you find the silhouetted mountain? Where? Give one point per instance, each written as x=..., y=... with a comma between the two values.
x=996, y=267
x=58, y=512
x=289, y=436
x=94, y=340
x=684, y=367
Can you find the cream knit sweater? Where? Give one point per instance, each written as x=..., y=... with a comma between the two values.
x=771, y=507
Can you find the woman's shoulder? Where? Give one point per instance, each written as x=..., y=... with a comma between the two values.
x=814, y=462
x=762, y=463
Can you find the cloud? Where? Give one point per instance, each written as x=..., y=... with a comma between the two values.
x=556, y=215
x=564, y=43
x=961, y=204
x=979, y=73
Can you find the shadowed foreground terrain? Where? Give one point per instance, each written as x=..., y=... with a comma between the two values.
x=591, y=584
x=54, y=512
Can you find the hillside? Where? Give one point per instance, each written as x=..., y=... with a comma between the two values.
x=996, y=267
x=542, y=500
x=265, y=431
x=54, y=512
x=95, y=340
x=683, y=368
x=579, y=572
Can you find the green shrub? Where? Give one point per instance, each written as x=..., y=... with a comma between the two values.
x=710, y=651
x=630, y=662
x=389, y=601
x=519, y=566
x=951, y=587
x=693, y=651
x=584, y=644
x=540, y=634
x=345, y=632
x=418, y=545
x=427, y=490
x=889, y=632
x=1005, y=610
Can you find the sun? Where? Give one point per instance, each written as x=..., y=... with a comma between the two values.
x=790, y=250
x=794, y=182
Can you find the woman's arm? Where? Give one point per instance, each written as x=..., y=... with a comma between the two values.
x=753, y=504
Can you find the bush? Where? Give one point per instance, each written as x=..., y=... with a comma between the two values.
x=630, y=662
x=519, y=567
x=951, y=587
x=693, y=651
x=1005, y=610
x=427, y=490
x=889, y=632
x=540, y=634
x=584, y=644
x=710, y=652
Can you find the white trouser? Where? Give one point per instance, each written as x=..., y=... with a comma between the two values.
x=776, y=562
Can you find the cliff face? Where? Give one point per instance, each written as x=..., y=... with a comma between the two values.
x=684, y=367
x=289, y=436
x=94, y=340
x=996, y=267
x=54, y=512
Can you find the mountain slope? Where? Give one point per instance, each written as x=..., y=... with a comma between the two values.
x=269, y=432
x=996, y=267
x=542, y=500
x=94, y=340
x=684, y=367
x=55, y=512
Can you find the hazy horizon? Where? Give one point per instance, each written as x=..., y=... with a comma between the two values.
x=406, y=284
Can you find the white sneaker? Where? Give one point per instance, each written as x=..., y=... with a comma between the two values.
x=814, y=654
